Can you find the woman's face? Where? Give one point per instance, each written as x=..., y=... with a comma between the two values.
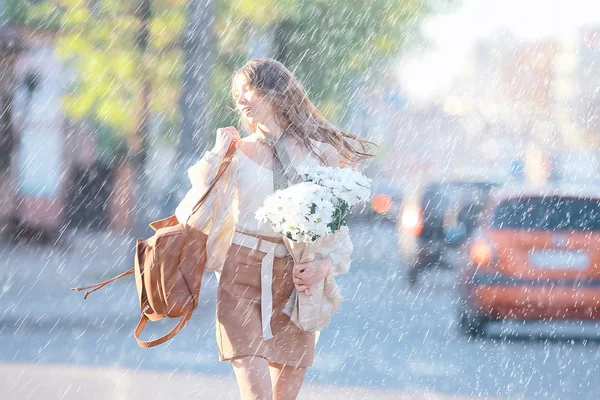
x=251, y=104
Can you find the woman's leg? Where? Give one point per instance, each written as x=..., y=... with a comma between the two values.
x=286, y=380
x=252, y=374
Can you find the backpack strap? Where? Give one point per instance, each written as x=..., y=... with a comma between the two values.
x=224, y=164
x=100, y=285
x=167, y=221
x=151, y=343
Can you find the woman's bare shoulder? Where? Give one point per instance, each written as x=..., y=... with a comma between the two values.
x=248, y=143
x=256, y=151
x=249, y=138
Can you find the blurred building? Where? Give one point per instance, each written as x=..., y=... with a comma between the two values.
x=519, y=110
x=534, y=103
x=588, y=77
x=41, y=161
x=53, y=179
x=10, y=47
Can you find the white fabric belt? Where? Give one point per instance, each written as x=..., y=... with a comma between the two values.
x=272, y=249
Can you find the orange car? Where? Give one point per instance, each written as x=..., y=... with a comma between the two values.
x=535, y=256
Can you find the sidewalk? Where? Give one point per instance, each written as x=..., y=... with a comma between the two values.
x=58, y=382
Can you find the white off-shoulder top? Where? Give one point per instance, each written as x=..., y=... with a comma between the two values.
x=254, y=184
x=233, y=202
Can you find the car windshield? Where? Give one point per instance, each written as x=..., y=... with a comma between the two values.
x=548, y=214
x=444, y=195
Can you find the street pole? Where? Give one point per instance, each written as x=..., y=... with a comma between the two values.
x=194, y=101
x=140, y=144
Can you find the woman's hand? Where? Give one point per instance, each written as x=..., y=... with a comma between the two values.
x=223, y=138
x=307, y=275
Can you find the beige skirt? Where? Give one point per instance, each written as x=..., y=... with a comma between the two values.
x=238, y=322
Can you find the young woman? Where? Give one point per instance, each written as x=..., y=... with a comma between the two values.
x=269, y=354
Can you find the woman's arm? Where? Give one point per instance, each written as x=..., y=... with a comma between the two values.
x=331, y=155
x=333, y=252
x=204, y=171
x=341, y=249
x=201, y=176
x=224, y=204
x=215, y=217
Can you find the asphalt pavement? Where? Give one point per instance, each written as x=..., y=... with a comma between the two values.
x=387, y=340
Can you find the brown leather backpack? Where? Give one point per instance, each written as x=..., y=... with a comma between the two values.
x=168, y=270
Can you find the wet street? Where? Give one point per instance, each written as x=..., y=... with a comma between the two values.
x=385, y=336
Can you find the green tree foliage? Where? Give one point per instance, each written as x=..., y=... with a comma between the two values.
x=329, y=44
x=98, y=40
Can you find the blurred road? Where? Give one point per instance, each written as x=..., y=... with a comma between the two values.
x=386, y=340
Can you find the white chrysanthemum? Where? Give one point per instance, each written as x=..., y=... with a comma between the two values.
x=310, y=209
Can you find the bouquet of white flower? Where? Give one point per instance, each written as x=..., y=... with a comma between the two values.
x=310, y=215
x=320, y=205
x=347, y=188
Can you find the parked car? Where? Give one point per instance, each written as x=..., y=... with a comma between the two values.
x=436, y=220
x=535, y=256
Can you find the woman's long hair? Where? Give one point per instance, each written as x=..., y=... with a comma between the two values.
x=295, y=113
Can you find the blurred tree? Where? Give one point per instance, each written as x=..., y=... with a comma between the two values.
x=197, y=42
x=198, y=46
x=127, y=63
x=328, y=44
x=26, y=12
